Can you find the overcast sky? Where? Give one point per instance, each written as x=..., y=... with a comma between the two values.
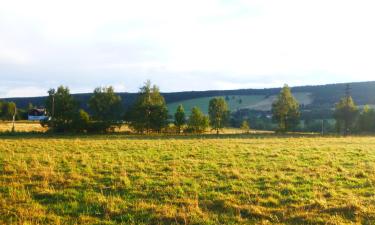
x=183, y=45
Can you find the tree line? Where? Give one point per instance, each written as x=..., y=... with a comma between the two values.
x=349, y=118
x=7, y=110
x=149, y=113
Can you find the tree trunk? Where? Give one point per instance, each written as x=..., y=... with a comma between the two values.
x=346, y=128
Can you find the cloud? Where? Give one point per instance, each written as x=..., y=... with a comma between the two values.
x=183, y=45
x=14, y=56
x=25, y=91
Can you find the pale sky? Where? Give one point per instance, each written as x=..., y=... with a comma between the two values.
x=183, y=45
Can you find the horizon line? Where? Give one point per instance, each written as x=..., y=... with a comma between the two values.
x=269, y=88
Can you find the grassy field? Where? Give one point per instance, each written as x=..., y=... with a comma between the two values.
x=26, y=127
x=235, y=102
x=266, y=103
x=236, y=179
x=22, y=126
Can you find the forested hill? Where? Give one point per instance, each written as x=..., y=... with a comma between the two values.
x=320, y=96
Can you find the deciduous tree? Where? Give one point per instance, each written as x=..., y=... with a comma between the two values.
x=179, y=118
x=219, y=113
x=7, y=110
x=105, y=106
x=345, y=114
x=198, y=122
x=285, y=110
x=81, y=121
x=149, y=113
x=62, y=108
x=245, y=127
x=366, y=120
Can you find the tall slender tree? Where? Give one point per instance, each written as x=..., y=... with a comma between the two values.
x=285, y=110
x=219, y=113
x=345, y=113
x=7, y=110
x=179, y=118
x=245, y=127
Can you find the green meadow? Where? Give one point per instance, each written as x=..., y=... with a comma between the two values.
x=234, y=179
x=236, y=102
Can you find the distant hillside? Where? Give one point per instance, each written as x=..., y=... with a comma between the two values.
x=322, y=96
x=236, y=102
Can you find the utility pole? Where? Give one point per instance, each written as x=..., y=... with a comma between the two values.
x=322, y=127
x=347, y=90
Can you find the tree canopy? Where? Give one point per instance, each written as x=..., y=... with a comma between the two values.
x=245, y=127
x=7, y=110
x=285, y=110
x=345, y=114
x=179, y=118
x=198, y=122
x=218, y=113
x=149, y=112
x=106, y=108
x=366, y=120
x=62, y=108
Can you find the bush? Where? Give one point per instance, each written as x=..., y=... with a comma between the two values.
x=171, y=129
x=100, y=127
x=245, y=127
x=198, y=122
x=81, y=121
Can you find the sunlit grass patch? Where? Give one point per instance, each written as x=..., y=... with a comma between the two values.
x=242, y=179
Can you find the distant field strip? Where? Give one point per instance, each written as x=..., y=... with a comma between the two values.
x=235, y=102
x=266, y=103
x=187, y=180
x=22, y=126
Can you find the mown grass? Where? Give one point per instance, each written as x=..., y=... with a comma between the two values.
x=22, y=126
x=234, y=179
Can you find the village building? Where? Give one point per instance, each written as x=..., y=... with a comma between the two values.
x=37, y=114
